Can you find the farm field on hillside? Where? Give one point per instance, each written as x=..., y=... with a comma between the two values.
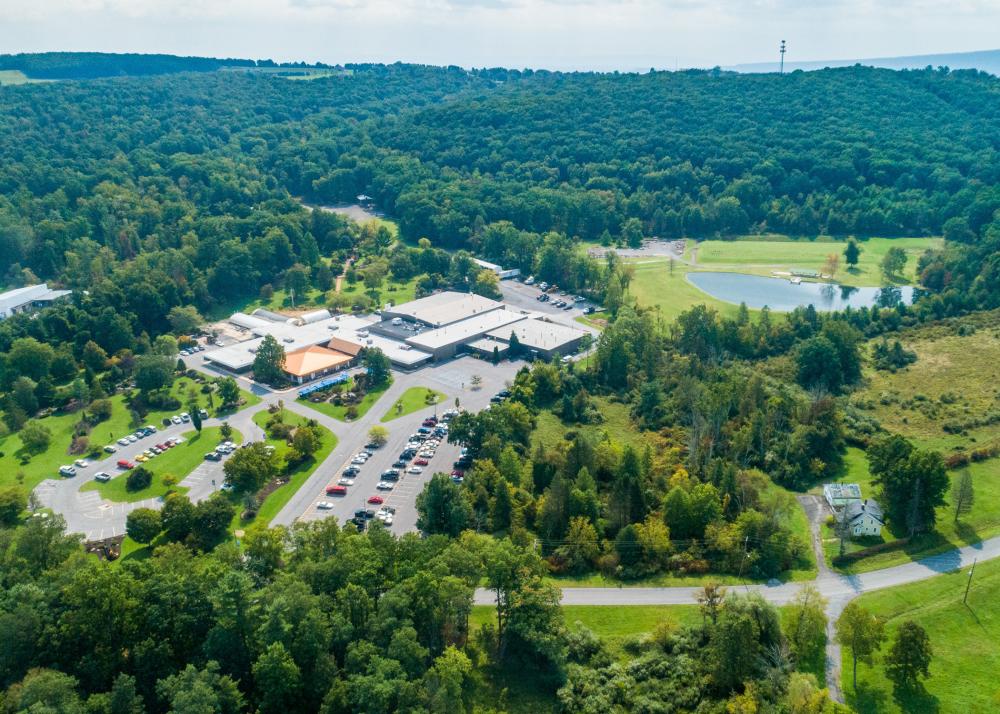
x=963, y=638
x=950, y=397
x=761, y=257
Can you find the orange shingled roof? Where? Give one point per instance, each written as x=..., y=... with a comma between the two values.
x=309, y=360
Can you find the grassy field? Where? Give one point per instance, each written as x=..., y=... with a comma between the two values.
x=340, y=412
x=412, y=400
x=955, y=382
x=654, y=285
x=761, y=257
x=964, y=639
x=298, y=476
x=46, y=465
x=550, y=429
x=983, y=521
x=178, y=462
x=16, y=76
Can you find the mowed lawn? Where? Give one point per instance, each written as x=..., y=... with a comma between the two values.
x=178, y=462
x=983, y=521
x=955, y=382
x=46, y=465
x=669, y=292
x=339, y=412
x=963, y=637
x=412, y=400
x=277, y=499
x=781, y=253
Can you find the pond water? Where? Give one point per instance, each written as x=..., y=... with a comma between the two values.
x=783, y=296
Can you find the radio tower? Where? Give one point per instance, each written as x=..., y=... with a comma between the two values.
x=782, y=68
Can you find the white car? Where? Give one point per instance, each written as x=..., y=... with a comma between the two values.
x=358, y=461
x=180, y=440
x=385, y=485
x=102, y=476
x=81, y=463
x=132, y=438
x=110, y=449
x=67, y=471
x=415, y=470
x=346, y=482
x=123, y=441
x=175, y=419
x=324, y=505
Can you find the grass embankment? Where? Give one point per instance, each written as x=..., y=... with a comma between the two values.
x=177, y=462
x=277, y=499
x=46, y=465
x=339, y=412
x=948, y=397
x=983, y=521
x=964, y=639
x=668, y=291
x=412, y=400
x=762, y=255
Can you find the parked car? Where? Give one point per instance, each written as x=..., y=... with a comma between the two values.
x=125, y=464
x=385, y=486
x=336, y=490
x=399, y=464
x=67, y=471
x=421, y=462
x=415, y=470
x=141, y=458
x=213, y=456
x=376, y=500
x=123, y=441
x=346, y=482
x=109, y=449
x=102, y=476
x=176, y=419
x=324, y=505
x=185, y=417
x=132, y=438
x=81, y=463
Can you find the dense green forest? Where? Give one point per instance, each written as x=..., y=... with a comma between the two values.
x=163, y=198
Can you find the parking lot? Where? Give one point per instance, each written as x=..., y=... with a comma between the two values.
x=454, y=378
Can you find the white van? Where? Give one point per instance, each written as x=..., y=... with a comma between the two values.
x=397, y=321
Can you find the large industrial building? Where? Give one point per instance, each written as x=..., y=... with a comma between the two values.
x=28, y=299
x=433, y=328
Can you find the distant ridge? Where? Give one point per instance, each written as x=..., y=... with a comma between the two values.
x=985, y=60
x=93, y=65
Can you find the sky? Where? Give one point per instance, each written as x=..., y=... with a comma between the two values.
x=554, y=34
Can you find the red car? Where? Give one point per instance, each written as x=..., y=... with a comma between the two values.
x=430, y=422
x=421, y=462
x=376, y=500
x=336, y=490
x=125, y=464
x=458, y=473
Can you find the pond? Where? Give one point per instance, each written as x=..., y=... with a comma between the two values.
x=781, y=295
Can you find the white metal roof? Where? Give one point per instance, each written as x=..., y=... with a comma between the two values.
x=539, y=334
x=465, y=330
x=445, y=308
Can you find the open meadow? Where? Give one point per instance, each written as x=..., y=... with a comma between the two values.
x=963, y=638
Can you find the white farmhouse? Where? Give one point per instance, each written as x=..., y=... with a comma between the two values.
x=864, y=518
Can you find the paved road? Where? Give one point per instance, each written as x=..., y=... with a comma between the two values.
x=453, y=378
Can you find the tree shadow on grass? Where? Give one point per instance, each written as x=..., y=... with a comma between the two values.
x=968, y=534
x=916, y=700
x=867, y=699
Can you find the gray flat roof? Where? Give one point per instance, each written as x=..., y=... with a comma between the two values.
x=235, y=357
x=465, y=330
x=539, y=334
x=444, y=308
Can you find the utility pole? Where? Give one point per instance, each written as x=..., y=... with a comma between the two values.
x=782, y=68
x=969, y=584
x=746, y=543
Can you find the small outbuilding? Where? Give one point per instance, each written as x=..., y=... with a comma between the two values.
x=839, y=495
